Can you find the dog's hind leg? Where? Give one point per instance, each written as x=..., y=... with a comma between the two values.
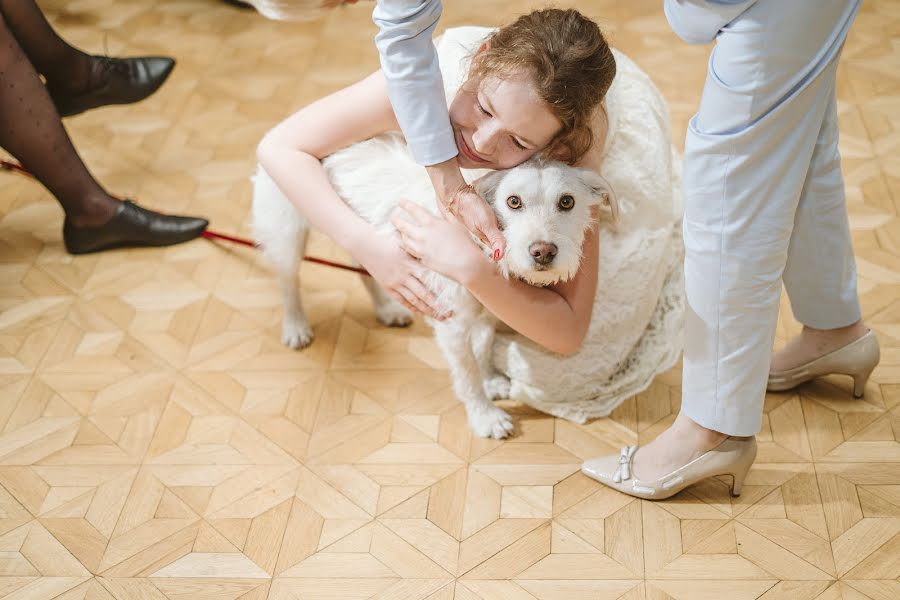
x=281, y=232
x=389, y=311
x=485, y=419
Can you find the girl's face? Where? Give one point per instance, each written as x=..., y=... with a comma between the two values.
x=500, y=123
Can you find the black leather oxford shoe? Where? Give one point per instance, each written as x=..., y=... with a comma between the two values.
x=122, y=81
x=132, y=226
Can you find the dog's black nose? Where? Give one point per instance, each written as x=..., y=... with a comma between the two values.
x=543, y=253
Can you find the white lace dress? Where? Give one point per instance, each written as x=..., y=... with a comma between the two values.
x=288, y=10
x=635, y=330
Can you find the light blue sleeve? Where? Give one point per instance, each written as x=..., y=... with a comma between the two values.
x=415, y=87
x=699, y=21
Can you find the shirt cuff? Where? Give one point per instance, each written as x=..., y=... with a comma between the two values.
x=433, y=148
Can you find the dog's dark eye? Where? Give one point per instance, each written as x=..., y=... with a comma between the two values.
x=514, y=202
x=566, y=202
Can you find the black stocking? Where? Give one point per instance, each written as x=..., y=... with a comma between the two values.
x=31, y=130
x=66, y=68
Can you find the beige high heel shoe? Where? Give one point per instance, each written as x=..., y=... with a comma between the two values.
x=857, y=359
x=733, y=456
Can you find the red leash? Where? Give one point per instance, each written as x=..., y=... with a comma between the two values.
x=16, y=167
x=7, y=165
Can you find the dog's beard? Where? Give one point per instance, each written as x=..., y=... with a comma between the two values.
x=542, y=278
x=563, y=268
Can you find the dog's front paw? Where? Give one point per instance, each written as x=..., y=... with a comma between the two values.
x=497, y=387
x=296, y=334
x=393, y=315
x=490, y=422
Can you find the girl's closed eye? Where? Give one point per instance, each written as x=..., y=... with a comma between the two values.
x=515, y=142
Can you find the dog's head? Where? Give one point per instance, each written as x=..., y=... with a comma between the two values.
x=544, y=208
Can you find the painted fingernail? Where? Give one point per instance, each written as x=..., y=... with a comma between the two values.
x=496, y=254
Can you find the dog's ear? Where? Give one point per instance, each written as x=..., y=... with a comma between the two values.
x=486, y=185
x=601, y=190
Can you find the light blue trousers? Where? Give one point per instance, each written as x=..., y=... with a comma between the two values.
x=764, y=198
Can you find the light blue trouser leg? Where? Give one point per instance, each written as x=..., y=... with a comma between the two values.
x=750, y=152
x=820, y=275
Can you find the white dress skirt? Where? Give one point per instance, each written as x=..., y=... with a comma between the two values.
x=288, y=10
x=636, y=325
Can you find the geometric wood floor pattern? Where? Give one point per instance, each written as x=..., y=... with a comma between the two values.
x=158, y=442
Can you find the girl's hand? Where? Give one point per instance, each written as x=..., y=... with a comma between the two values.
x=441, y=245
x=400, y=275
x=466, y=205
x=470, y=209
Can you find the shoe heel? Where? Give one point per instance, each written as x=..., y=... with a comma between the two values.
x=859, y=383
x=738, y=480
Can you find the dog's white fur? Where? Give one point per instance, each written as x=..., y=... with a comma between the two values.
x=370, y=177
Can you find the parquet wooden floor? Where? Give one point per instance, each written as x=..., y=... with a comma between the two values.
x=157, y=441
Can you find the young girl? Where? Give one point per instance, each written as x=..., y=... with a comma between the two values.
x=535, y=86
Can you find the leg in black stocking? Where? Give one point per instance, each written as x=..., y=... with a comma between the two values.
x=64, y=66
x=30, y=130
x=78, y=81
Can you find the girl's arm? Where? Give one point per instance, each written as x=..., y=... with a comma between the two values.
x=556, y=317
x=291, y=154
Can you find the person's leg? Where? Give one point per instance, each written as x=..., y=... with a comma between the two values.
x=31, y=131
x=820, y=275
x=748, y=153
x=78, y=81
x=50, y=55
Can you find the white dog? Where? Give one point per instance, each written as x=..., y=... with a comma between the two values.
x=544, y=208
